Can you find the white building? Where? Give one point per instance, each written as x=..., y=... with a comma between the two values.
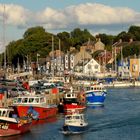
x=92, y=67
x=124, y=69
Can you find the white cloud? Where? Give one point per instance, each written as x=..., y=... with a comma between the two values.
x=14, y=14
x=82, y=15
x=89, y=14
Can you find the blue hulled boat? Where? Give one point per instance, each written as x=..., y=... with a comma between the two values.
x=75, y=123
x=95, y=94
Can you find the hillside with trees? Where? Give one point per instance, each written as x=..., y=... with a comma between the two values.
x=37, y=40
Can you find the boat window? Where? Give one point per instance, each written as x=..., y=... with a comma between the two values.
x=68, y=95
x=0, y=113
x=76, y=117
x=19, y=100
x=37, y=100
x=25, y=100
x=68, y=117
x=4, y=113
x=42, y=99
x=31, y=100
x=92, y=88
x=15, y=100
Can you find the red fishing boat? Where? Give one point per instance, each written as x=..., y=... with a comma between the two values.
x=71, y=103
x=10, y=124
x=34, y=106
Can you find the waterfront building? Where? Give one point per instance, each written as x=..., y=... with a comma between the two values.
x=93, y=46
x=135, y=67
x=123, y=69
x=56, y=62
x=88, y=67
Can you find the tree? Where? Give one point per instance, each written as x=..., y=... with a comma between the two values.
x=79, y=37
x=124, y=36
x=135, y=31
x=106, y=39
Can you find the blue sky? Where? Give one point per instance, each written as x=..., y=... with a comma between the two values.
x=98, y=16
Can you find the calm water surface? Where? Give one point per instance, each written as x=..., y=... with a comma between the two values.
x=119, y=119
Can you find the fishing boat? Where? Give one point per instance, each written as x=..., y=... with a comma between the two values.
x=34, y=106
x=10, y=124
x=74, y=123
x=95, y=94
x=71, y=103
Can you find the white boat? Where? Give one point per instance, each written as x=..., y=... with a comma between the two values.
x=74, y=123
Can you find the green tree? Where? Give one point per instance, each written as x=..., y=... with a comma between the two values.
x=106, y=39
x=135, y=31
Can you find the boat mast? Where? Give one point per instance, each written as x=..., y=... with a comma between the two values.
x=59, y=57
x=52, y=56
x=4, y=40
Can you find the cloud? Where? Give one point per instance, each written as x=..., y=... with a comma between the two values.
x=87, y=15
x=14, y=14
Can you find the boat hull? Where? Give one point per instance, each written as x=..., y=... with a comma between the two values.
x=10, y=128
x=70, y=108
x=74, y=129
x=43, y=112
x=95, y=98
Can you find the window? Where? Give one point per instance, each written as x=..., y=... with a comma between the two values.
x=25, y=100
x=68, y=95
x=96, y=66
x=42, y=99
x=19, y=100
x=71, y=58
x=37, y=100
x=31, y=100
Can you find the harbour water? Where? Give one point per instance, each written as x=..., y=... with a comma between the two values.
x=119, y=119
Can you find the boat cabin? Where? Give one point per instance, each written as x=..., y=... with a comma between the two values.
x=70, y=95
x=95, y=88
x=6, y=112
x=74, y=118
x=29, y=100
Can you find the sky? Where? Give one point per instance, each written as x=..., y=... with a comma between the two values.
x=98, y=16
